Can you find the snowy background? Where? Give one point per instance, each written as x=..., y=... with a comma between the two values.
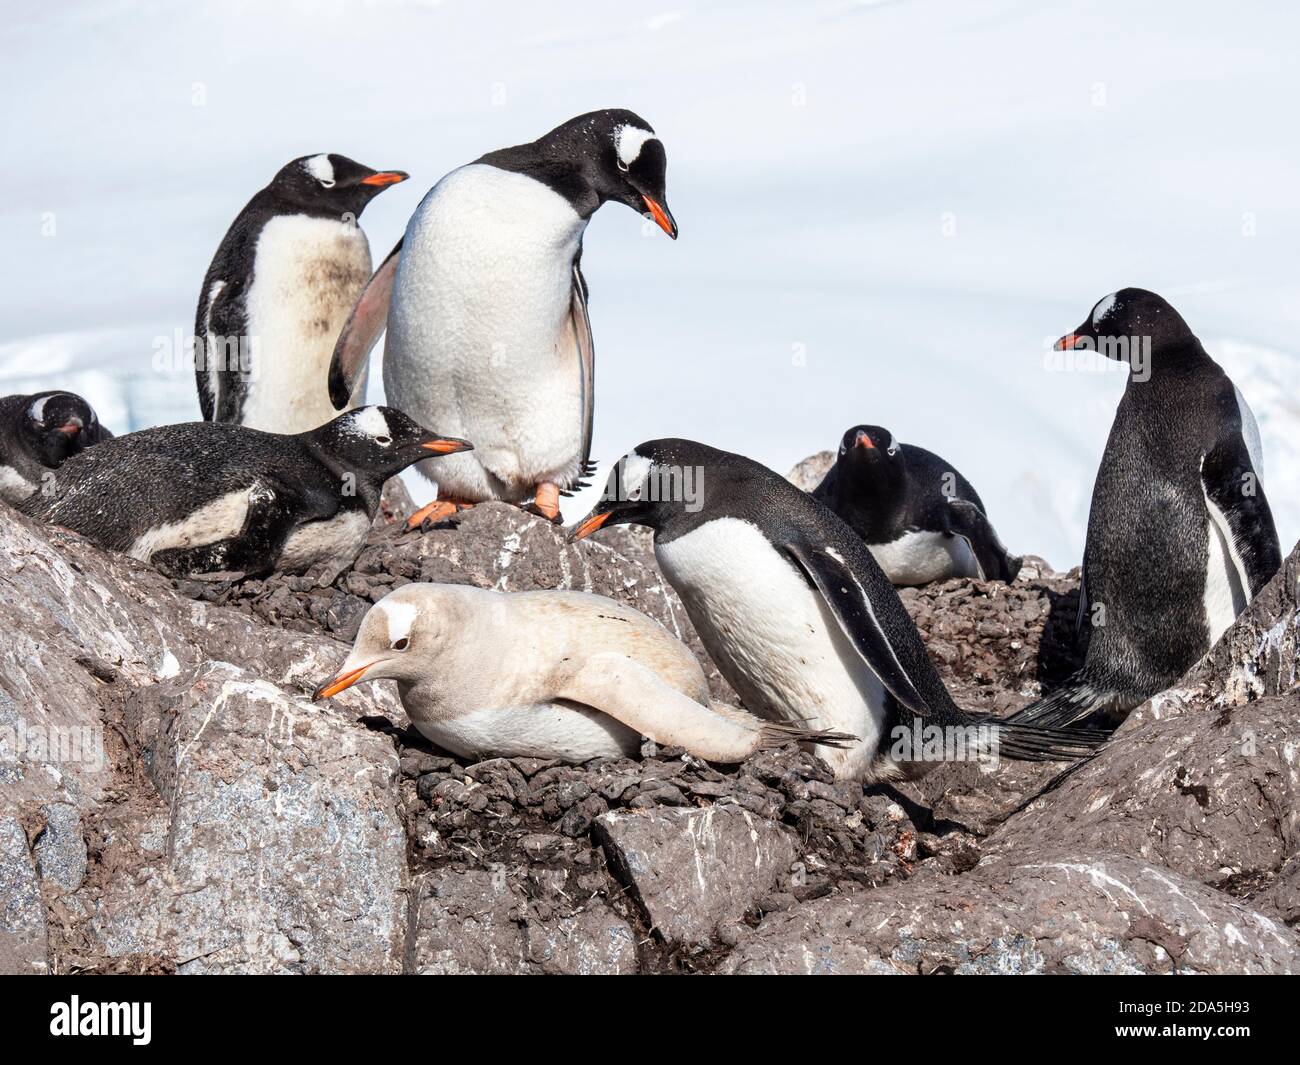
x=887, y=210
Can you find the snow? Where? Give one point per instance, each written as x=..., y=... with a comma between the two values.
x=888, y=211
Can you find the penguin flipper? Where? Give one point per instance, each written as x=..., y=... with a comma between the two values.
x=970, y=523
x=1234, y=497
x=635, y=695
x=361, y=332
x=224, y=332
x=580, y=323
x=251, y=552
x=848, y=600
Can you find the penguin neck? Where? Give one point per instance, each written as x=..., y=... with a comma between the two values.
x=367, y=485
x=1169, y=362
x=556, y=172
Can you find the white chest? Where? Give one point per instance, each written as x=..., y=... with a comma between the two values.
x=308, y=273
x=336, y=541
x=14, y=487
x=923, y=556
x=539, y=730
x=773, y=637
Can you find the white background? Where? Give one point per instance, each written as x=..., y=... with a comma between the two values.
x=912, y=199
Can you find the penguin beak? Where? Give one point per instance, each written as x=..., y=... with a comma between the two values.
x=70, y=428
x=446, y=445
x=589, y=524
x=1072, y=341
x=385, y=177
x=340, y=682
x=863, y=440
x=661, y=215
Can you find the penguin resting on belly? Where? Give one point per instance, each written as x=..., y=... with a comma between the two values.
x=486, y=309
x=279, y=290
x=38, y=433
x=1180, y=534
x=922, y=520
x=546, y=675
x=213, y=497
x=799, y=617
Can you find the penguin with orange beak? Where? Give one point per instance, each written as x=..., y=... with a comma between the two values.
x=486, y=309
x=38, y=433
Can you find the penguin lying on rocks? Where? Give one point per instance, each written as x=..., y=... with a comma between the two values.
x=215, y=497
x=38, y=433
x=799, y=617
x=547, y=675
x=921, y=518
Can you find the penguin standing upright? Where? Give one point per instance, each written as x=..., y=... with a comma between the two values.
x=486, y=308
x=281, y=286
x=798, y=615
x=212, y=497
x=921, y=518
x=38, y=433
x=1180, y=534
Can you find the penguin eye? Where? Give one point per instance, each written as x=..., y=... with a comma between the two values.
x=327, y=184
x=383, y=441
x=622, y=166
x=402, y=644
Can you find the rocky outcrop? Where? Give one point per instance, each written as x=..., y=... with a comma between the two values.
x=170, y=801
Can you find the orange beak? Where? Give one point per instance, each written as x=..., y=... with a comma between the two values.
x=589, y=525
x=385, y=177
x=331, y=688
x=662, y=217
x=1069, y=342
x=70, y=428
x=864, y=441
x=446, y=445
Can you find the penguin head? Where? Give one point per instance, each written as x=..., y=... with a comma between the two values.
x=660, y=485
x=57, y=425
x=331, y=185
x=379, y=442
x=619, y=157
x=1128, y=323
x=871, y=454
x=403, y=635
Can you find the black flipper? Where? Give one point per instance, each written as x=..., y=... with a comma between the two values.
x=581, y=326
x=270, y=518
x=852, y=608
x=362, y=330
x=973, y=526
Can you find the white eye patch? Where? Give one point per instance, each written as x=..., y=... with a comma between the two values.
x=37, y=410
x=401, y=619
x=1103, y=308
x=320, y=167
x=370, y=421
x=628, y=142
x=893, y=445
x=636, y=469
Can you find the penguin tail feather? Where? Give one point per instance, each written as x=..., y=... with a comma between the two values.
x=778, y=734
x=1038, y=743
x=1073, y=702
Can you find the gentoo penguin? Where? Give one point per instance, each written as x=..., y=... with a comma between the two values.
x=546, y=675
x=279, y=289
x=921, y=518
x=213, y=497
x=486, y=309
x=1180, y=535
x=799, y=616
x=37, y=434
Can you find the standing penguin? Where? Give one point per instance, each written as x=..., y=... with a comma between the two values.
x=921, y=518
x=279, y=289
x=37, y=434
x=1180, y=535
x=798, y=615
x=487, y=328
x=211, y=497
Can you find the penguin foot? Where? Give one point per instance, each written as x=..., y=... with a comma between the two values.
x=432, y=513
x=546, y=503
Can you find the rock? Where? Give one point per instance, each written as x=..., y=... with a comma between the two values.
x=284, y=852
x=61, y=848
x=808, y=474
x=479, y=922
x=1064, y=912
x=22, y=915
x=692, y=870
